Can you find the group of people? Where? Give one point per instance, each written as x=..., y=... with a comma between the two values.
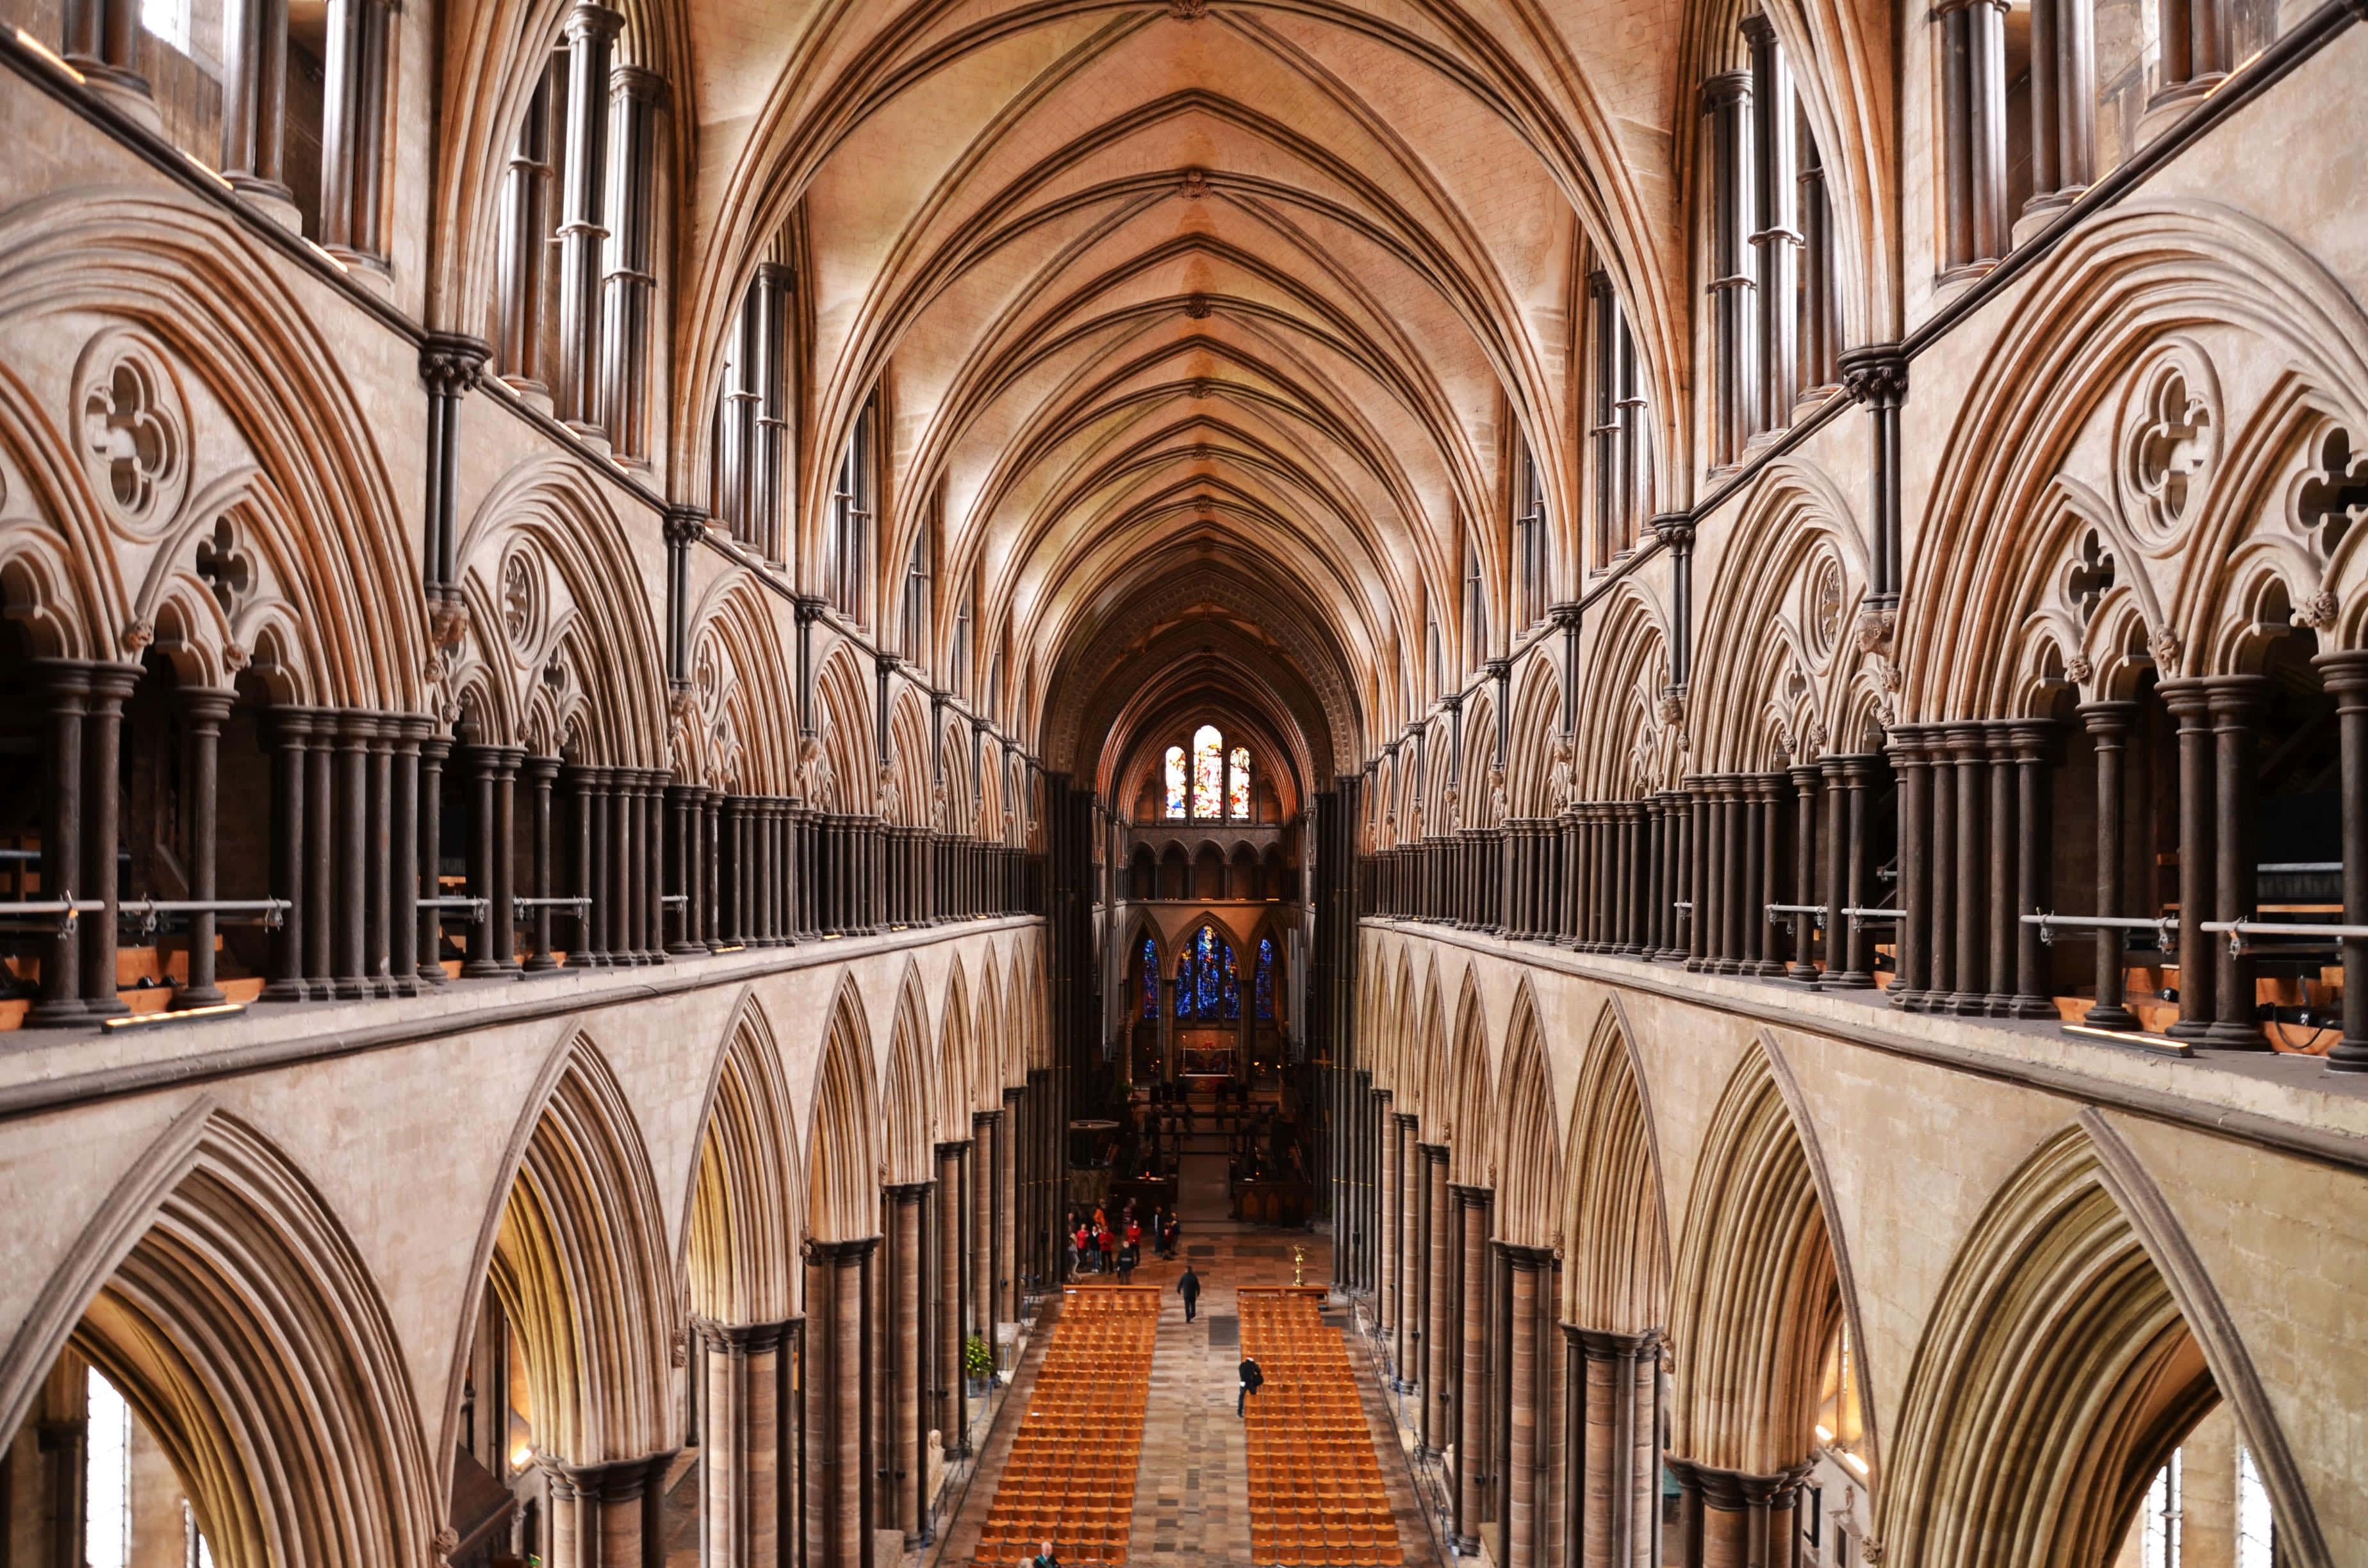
x=1097, y=1247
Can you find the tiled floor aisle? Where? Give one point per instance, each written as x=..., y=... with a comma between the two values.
x=1192, y=1503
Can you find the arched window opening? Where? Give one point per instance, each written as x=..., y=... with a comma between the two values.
x=1264, y=985
x=958, y=660
x=1475, y=609
x=1146, y=978
x=1529, y=539
x=853, y=502
x=1208, y=772
x=291, y=101
x=576, y=293
x=916, y=597
x=751, y=415
x=1621, y=453
x=1176, y=796
x=1237, y=783
x=1207, y=989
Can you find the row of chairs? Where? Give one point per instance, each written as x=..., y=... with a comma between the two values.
x=1070, y=1478
x=1316, y=1490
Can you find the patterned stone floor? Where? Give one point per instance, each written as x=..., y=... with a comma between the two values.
x=1191, y=1503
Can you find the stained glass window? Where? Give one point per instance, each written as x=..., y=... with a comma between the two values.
x=1208, y=984
x=1208, y=772
x=1175, y=781
x=1265, y=980
x=1237, y=783
x=1150, y=979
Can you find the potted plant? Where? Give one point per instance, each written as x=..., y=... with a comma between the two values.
x=978, y=1364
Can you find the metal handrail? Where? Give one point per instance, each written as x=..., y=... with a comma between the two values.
x=67, y=909
x=581, y=901
x=1858, y=916
x=2296, y=868
x=2165, y=928
x=2239, y=929
x=269, y=911
x=1816, y=909
x=674, y=898
x=478, y=908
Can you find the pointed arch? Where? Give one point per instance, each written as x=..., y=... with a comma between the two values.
x=1759, y=1292
x=842, y=1165
x=1470, y=1144
x=2060, y=1340
x=843, y=722
x=905, y=1149
x=1529, y=1152
x=956, y=1069
x=1615, y=1227
x=577, y=1258
x=218, y=1293
x=740, y=1246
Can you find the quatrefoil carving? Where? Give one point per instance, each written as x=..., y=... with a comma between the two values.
x=2089, y=578
x=133, y=436
x=224, y=568
x=521, y=600
x=2166, y=438
x=2334, y=495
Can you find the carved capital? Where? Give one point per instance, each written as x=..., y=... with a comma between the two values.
x=810, y=607
x=685, y=526
x=451, y=362
x=1675, y=530
x=1877, y=625
x=448, y=622
x=1875, y=375
x=1565, y=615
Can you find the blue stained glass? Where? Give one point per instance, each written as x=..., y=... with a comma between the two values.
x=1150, y=979
x=1184, y=985
x=1231, y=1004
x=1266, y=979
x=1204, y=961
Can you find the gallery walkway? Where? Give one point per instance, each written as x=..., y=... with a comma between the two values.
x=1191, y=1499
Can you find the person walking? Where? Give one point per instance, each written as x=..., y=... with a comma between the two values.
x=1128, y=1256
x=1190, y=1289
x=1081, y=1248
x=1252, y=1380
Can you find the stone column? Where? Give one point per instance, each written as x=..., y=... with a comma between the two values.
x=503, y=917
x=1414, y=1213
x=2190, y=702
x=1391, y=1185
x=103, y=43
x=986, y=1137
x=583, y=234
x=1737, y=1521
x=2345, y=678
x=433, y=750
x=2108, y=726
x=1444, y=1243
x=1006, y=1267
x=1615, y=1449
x=1912, y=977
x=907, y=1466
x=1473, y=1333
x=540, y=773
x=608, y=1515
x=1805, y=870
x=102, y=734
x=68, y=687
x=838, y=1403
x=1969, y=995
x=748, y=1508
x=2033, y=747
x=2236, y=703
x=403, y=863
x=202, y=714
x=950, y=1410
x=1527, y=1482
x=378, y=830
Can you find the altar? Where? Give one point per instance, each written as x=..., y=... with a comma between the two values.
x=1202, y=1053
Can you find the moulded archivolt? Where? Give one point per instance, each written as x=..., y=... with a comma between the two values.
x=131, y=427
x=2166, y=440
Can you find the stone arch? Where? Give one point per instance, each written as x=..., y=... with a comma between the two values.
x=1778, y=654
x=1529, y=1152
x=218, y=1293
x=2062, y=1339
x=956, y=1071
x=1626, y=747
x=558, y=620
x=235, y=359
x=906, y=1156
x=907, y=767
x=1469, y=1120
x=843, y=726
x=2122, y=290
x=1540, y=764
x=740, y=1258
x=738, y=734
x=1761, y=1283
x=576, y=1256
x=842, y=1165
x=1615, y=1222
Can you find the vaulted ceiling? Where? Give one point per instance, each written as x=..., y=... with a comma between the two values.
x=1209, y=326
